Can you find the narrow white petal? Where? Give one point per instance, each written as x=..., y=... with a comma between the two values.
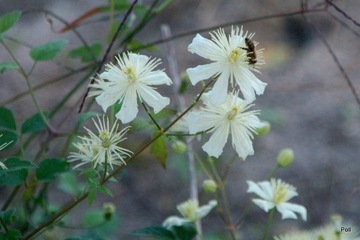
x=129, y=108
x=249, y=83
x=204, y=48
x=174, y=221
x=203, y=72
x=263, y=204
x=204, y=210
x=155, y=78
x=201, y=121
x=219, y=92
x=241, y=140
x=288, y=210
x=153, y=98
x=217, y=141
x=263, y=192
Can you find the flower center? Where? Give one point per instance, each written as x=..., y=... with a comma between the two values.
x=280, y=194
x=234, y=55
x=130, y=73
x=105, y=139
x=232, y=113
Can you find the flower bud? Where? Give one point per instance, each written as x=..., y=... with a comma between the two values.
x=285, y=157
x=179, y=147
x=109, y=210
x=209, y=186
x=264, y=129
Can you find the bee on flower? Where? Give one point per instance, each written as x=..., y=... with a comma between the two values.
x=234, y=58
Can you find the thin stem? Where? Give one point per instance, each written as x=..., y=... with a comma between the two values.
x=336, y=60
x=225, y=202
x=151, y=117
x=268, y=223
x=3, y=225
x=10, y=198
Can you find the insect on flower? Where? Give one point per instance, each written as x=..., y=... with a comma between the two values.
x=250, y=49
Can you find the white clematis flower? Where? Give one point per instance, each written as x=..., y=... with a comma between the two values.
x=132, y=78
x=230, y=117
x=276, y=194
x=232, y=60
x=190, y=211
x=101, y=148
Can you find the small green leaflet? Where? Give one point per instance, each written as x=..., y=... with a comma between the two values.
x=49, y=168
x=9, y=20
x=34, y=124
x=47, y=51
x=86, y=54
x=8, y=66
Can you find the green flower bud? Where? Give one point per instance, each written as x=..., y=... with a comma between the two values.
x=264, y=130
x=179, y=147
x=109, y=210
x=285, y=157
x=209, y=186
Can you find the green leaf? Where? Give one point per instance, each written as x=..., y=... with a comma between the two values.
x=11, y=234
x=8, y=215
x=105, y=190
x=156, y=232
x=49, y=168
x=8, y=66
x=185, y=231
x=34, y=123
x=85, y=116
x=92, y=195
x=86, y=54
x=47, y=51
x=7, y=119
x=8, y=20
x=16, y=173
x=7, y=138
x=158, y=149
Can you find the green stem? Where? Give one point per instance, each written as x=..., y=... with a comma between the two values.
x=151, y=117
x=3, y=225
x=268, y=223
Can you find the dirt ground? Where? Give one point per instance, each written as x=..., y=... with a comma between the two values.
x=308, y=102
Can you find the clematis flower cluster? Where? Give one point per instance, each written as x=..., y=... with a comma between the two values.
x=234, y=59
x=101, y=148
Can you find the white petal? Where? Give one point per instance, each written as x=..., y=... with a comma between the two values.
x=129, y=108
x=203, y=72
x=249, y=83
x=153, y=98
x=204, y=210
x=217, y=141
x=174, y=221
x=219, y=92
x=262, y=189
x=265, y=205
x=204, y=48
x=241, y=140
x=201, y=121
x=288, y=210
x=155, y=78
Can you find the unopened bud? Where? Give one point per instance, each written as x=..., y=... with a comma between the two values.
x=109, y=210
x=179, y=147
x=285, y=157
x=209, y=186
x=264, y=129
